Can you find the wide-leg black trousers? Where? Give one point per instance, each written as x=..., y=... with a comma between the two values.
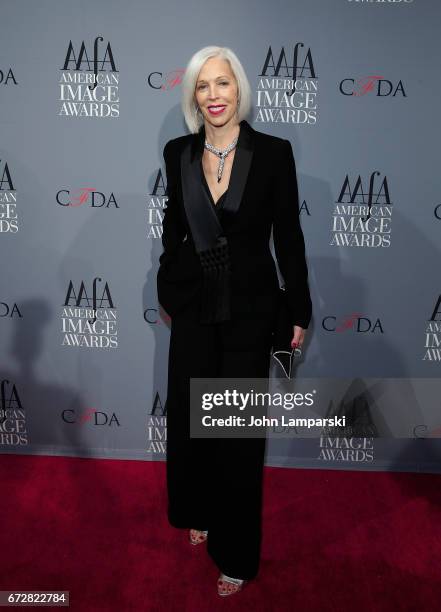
x=216, y=483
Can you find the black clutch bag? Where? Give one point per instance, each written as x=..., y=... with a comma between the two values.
x=282, y=351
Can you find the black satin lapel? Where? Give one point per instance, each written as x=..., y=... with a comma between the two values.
x=202, y=218
x=204, y=223
x=241, y=168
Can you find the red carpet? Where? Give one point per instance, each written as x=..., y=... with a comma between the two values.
x=333, y=540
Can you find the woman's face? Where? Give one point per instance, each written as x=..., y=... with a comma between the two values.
x=216, y=91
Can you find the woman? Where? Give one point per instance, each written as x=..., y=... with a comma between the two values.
x=227, y=186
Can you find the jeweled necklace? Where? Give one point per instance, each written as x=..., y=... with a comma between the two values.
x=221, y=154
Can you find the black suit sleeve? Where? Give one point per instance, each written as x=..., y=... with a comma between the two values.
x=173, y=230
x=289, y=244
x=171, y=239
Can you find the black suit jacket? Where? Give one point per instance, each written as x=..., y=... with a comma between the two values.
x=262, y=195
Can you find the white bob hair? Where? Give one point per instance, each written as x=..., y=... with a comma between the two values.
x=193, y=118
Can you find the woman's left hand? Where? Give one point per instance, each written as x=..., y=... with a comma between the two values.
x=298, y=337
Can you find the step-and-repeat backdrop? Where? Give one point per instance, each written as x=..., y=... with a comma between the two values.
x=90, y=93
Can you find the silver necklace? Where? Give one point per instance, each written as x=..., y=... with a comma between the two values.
x=221, y=154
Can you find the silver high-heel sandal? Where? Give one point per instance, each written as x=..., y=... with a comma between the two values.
x=227, y=585
x=197, y=537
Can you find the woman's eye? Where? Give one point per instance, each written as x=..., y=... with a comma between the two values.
x=221, y=83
